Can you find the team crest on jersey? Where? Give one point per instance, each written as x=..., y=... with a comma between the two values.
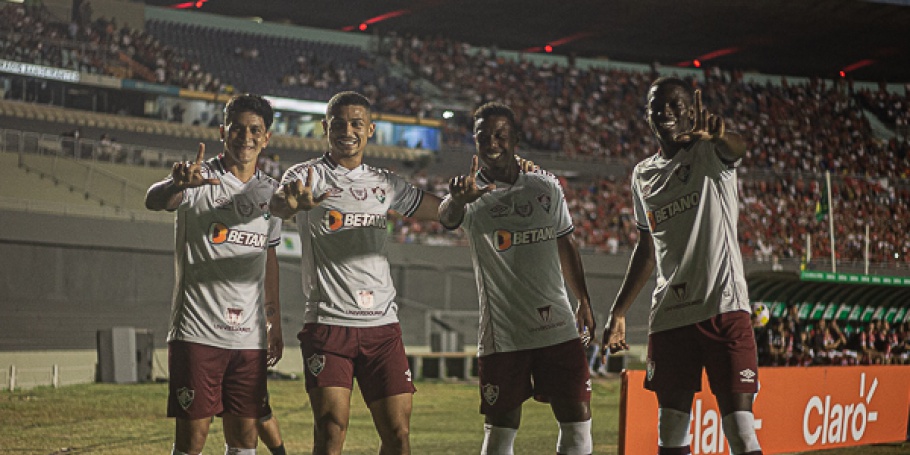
x=365, y=299
x=244, y=206
x=544, y=312
x=359, y=193
x=234, y=316
x=315, y=364
x=490, y=393
x=264, y=208
x=524, y=210
x=650, y=369
x=379, y=192
x=185, y=397
x=683, y=172
x=544, y=200
x=407, y=373
x=499, y=211
x=679, y=290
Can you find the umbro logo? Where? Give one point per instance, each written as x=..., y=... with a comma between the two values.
x=747, y=375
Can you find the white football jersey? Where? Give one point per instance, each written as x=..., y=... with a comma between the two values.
x=513, y=232
x=346, y=274
x=223, y=233
x=690, y=205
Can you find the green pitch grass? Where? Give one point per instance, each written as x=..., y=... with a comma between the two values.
x=130, y=419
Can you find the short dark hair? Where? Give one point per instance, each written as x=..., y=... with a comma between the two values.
x=348, y=98
x=496, y=108
x=250, y=103
x=671, y=80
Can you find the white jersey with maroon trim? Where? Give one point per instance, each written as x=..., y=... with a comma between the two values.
x=346, y=275
x=223, y=233
x=690, y=205
x=513, y=232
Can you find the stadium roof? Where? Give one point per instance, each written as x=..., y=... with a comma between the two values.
x=866, y=38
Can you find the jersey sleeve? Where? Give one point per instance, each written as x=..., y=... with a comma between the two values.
x=405, y=196
x=564, y=224
x=641, y=214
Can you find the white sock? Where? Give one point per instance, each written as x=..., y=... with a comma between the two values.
x=739, y=426
x=238, y=451
x=497, y=440
x=575, y=438
x=673, y=428
x=174, y=451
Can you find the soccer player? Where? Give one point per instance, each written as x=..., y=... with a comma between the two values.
x=686, y=205
x=225, y=326
x=520, y=234
x=351, y=327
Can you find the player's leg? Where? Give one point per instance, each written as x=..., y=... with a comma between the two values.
x=674, y=375
x=194, y=392
x=384, y=376
x=245, y=399
x=562, y=377
x=331, y=412
x=732, y=368
x=392, y=417
x=270, y=434
x=505, y=383
x=328, y=353
x=190, y=435
x=499, y=430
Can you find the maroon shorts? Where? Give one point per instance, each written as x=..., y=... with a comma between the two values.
x=206, y=381
x=723, y=345
x=334, y=355
x=507, y=379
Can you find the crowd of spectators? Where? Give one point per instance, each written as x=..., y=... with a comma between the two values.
x=794, y=131
x=790, y=341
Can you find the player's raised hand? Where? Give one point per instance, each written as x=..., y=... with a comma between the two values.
x=189, y=174
x=463, y=188
x=614, y=339
x=705, y=126
x=299, y=194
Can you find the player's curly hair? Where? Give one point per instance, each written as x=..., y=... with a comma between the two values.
x=249, y=103
x=669, y=81
x=496, y=108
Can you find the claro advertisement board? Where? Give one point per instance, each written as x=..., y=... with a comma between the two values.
x=796, y=409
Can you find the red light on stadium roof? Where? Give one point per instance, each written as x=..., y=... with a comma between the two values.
x=696, y=63
x=363, y=27
x=843, y=73
x=548, y=48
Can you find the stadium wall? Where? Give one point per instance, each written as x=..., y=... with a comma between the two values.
x=63, y=279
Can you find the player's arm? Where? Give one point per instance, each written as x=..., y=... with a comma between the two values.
x=273, y=308
x=428, y=209
x=163, y=195
x=641, y=266
x=573, y=272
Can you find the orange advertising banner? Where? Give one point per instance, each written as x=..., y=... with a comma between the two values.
x=796, y=409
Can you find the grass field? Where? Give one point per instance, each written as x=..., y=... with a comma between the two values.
x=129, y=419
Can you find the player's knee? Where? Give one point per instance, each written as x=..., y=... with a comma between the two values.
x=497, y=440
x=575, y=438
x=673, y=428
x=739, y=427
